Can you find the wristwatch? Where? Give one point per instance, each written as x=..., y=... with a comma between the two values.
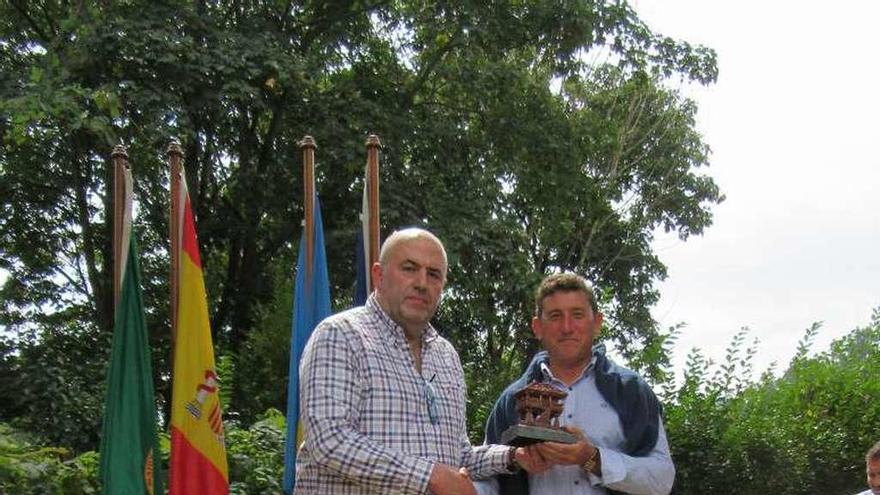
x=590, y=465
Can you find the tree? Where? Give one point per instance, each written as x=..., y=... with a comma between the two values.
x=498, y=133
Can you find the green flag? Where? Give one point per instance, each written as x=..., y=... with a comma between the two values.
x=130, y=460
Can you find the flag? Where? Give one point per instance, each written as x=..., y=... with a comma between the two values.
x=360, y=288
x=362, y=250
x=311, y=304
x=198, y=453
x=130, y=461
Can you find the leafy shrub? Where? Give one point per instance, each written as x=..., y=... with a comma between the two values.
x=803, y=432
x=256, y=455
x=29, y=469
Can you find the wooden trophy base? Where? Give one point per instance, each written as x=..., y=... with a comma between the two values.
x=522, y=435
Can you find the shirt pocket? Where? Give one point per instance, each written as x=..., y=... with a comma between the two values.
x=451, y=403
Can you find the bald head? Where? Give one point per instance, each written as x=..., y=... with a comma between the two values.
x=406, y=235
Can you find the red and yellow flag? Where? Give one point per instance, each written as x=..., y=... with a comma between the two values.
x=198, y=454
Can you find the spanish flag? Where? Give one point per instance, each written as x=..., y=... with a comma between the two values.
x=198, y=454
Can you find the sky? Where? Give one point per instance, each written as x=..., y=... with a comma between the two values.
x=792, y=123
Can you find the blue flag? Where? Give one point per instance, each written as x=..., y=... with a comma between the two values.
x=311, y=304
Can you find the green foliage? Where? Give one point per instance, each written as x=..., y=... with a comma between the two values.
x=803, y=432
x=263, y=358
x=256, y=455
x=53, y=387
x=29, y=469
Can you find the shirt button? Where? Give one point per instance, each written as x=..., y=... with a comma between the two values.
x=576, y=482
x=569, y=415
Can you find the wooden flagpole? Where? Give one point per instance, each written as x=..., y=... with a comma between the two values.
x=119, y=157
x=373, y=146
x=175, y=157
x=308, y=146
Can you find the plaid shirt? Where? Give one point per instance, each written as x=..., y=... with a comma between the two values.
x=365, y=410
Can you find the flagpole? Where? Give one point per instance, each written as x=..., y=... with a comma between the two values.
x=129, y=460
x=119, y=156
x=196, y=426
x=308, y=147
x=373, y=146
x=175, y=156
x=311, y=304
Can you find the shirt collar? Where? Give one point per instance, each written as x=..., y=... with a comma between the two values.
x=548, y=375
x=429, y=334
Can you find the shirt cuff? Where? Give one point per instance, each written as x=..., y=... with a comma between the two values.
x=419, y=476
x=497, y=460
x=613, y=468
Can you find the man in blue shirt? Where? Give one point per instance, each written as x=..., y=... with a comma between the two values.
x=622, y=446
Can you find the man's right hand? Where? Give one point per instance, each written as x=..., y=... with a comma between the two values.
x=446, y=480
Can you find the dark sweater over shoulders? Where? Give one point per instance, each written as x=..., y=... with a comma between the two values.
x=626, y=391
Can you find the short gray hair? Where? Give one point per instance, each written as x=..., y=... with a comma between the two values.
x=408, y=234
x=563, y=282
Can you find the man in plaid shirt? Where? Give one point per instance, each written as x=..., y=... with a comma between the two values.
x=383, y=395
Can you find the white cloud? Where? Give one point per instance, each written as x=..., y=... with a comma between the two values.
x=792, y=126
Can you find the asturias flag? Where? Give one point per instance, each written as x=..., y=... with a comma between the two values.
x=129, y=447
x=198, y=454
x=311, y=304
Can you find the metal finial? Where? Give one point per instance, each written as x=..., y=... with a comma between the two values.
x=174, y=149
x=373, y=140
x=119, y=151
x=308, y=142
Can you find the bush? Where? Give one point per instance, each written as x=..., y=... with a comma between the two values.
x=256, y=455
x=804, y=432
x=28, y=469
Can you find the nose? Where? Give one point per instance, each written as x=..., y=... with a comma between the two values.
x=421, y=279
x=567, y=322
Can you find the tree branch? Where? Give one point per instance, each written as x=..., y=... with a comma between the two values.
x=22, y=9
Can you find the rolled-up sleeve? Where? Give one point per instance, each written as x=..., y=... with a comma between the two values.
x=652, y=474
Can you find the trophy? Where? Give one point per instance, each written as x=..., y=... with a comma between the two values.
x=539, y=406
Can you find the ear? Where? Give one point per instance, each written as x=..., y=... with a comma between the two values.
x=376, y=273
x=537, y=329
x=597, y=325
